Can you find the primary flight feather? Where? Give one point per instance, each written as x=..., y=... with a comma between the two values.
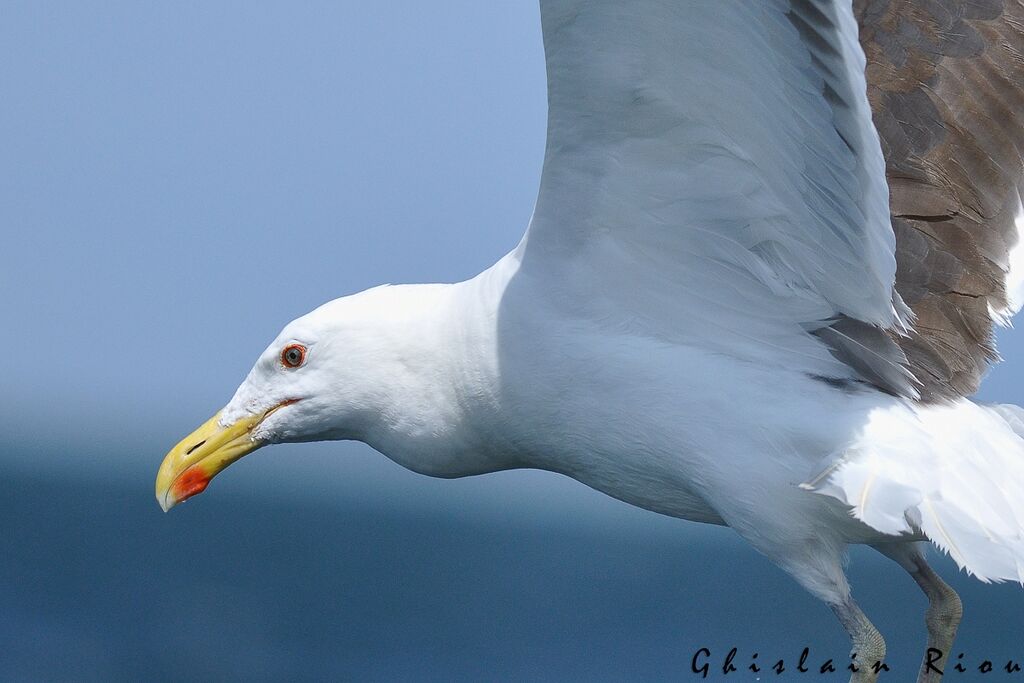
x=769, y=246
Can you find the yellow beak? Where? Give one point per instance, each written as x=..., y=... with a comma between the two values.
x=197, y=458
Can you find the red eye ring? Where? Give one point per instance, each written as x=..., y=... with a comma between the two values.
x=293, y=355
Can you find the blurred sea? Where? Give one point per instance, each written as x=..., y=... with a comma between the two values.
x=96, y=584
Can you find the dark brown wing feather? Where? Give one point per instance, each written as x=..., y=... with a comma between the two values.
x=946, y=86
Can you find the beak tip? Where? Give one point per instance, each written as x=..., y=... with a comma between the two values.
x=187, y=469
x=191, y=482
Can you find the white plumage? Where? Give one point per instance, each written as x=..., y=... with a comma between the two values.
x=679, y=326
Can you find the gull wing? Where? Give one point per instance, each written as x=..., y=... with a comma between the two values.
x=713, y=176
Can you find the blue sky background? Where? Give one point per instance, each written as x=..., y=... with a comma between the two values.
x=177, y=182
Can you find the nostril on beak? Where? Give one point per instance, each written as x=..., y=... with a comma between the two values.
x=189, y=451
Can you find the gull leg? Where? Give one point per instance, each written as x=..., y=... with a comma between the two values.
x=819, y=570
x=944, y=607
x=816, y=562
x=801, y=537
x=868, y=645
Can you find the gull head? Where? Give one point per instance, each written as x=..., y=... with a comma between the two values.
x=324, y=377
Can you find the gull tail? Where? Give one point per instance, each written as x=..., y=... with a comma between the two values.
x=953, y=472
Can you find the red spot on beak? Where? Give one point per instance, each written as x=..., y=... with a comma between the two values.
x=192, y=481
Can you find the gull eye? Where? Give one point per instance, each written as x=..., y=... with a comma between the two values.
x=293, y=355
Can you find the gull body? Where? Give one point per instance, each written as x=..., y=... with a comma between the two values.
x=469, y=378
x=735, y=303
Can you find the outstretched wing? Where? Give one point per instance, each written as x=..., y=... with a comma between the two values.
x=712, y=175
x=945, y=85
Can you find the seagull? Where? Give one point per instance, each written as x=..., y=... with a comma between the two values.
x=769, y=247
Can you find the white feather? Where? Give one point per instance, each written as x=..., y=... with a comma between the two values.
x=954, y=472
